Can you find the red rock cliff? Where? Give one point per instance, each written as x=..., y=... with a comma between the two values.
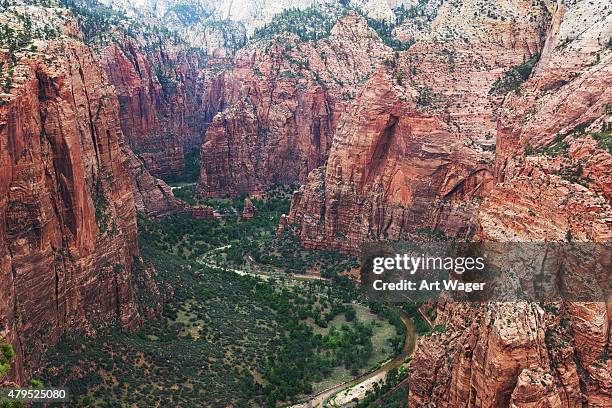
x=166, y=100
x=68, y=235
x=284, y=99
x=413, y=153
x=552, y=183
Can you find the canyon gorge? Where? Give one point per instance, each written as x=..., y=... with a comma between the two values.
x=386, y=120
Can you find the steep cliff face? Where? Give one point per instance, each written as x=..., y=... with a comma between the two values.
x=414, y=151
x=162, y=92
x=161, y=82
x=68, y=237
x=388, y=163
x=552, y=183
x=553, y=157
x=284, y=100
x=152, y=196
x=514, y=354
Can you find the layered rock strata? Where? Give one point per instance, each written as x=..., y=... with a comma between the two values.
x=414, y=152
x=551, y=183
x=284, y=99
x=163, y=92
x=68, y=234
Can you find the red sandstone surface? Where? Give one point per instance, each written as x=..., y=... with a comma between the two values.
x=68, y=233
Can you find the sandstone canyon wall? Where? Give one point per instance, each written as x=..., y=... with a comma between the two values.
x=443, y=138
x=414, y=151
x=280, y=109
x=162, y=91
x=451, y=139
x=284, y=99
x=68, y=233
x=551, y=183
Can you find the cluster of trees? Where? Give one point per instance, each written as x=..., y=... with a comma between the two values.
x=188, y=14
x=7, y=355
x=164, y=362
x=308, y=24
x=259, y=326
x=191, y=173
x=286, y=252
x=512, y=80
x=101, y=206
x=166, y=78
x=385, y=395
x=314, y=23
x=305, y=357
x=412, y=310
x=414, y=11
x=385, y=30
x=94, y=19
x=219, y=329
x=604, y=138
x=101, y=24
x=233, y=34
x=16, y=40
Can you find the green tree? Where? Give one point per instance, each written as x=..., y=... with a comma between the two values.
x=7, y=355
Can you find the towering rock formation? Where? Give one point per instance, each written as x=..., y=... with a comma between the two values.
x=552, y=166
x=161, y=89
x=441, y=137
x=552, y=183
x=68, y=234
x=414, y=150
x=166, y=97
x=284, y=99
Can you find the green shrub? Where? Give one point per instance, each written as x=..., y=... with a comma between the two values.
x=7, y=355
x=512, y=79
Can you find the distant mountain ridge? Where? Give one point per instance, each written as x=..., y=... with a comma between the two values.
x=251, y=14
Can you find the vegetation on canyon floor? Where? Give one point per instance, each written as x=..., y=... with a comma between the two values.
x=392, y=394
x=225, y=338
x=7, y=355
